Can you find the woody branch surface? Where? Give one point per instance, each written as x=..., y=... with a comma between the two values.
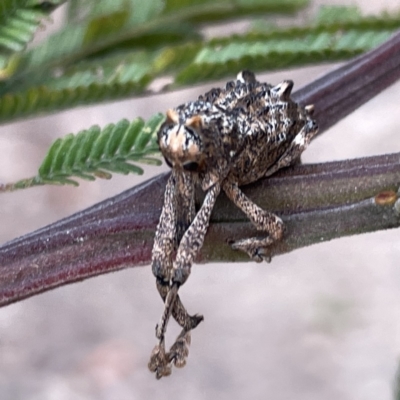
x=317, y=202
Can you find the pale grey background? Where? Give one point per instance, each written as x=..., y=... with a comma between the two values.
x=319, y=323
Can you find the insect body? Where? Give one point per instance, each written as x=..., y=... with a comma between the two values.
x=229, y=137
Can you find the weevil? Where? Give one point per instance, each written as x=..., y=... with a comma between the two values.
x=229, y=137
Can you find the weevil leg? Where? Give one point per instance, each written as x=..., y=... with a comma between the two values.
x=159, y=361
x=255, y=247
x=185, y=207
x=165, y=242
x=162, y=252
x=189, y=247
x=184, y=215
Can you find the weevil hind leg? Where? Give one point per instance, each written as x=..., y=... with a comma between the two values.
x=255, y=247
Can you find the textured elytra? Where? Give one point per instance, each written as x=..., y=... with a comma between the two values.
x=228, y=137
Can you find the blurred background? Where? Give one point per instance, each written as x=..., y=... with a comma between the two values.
x=319, y=323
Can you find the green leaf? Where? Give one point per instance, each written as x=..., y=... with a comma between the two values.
x=280, y=48
x=117, y=135
x=41, y=99
x=130, y=136
x=212, y=10
x=83, y=142
x=96, y=152
x=19, y=20
x=111, y=25
x=83, y=64
x=329, y=14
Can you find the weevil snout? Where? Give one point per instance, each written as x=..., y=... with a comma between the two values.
x=181, y=143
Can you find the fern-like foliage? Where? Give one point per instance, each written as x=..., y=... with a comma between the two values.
x=218, y=60
x=96, y=152
x=19, y=20
x=49, y=99
x=115, y=49
x=337, y=33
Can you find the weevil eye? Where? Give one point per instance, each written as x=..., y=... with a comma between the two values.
x=191, y=166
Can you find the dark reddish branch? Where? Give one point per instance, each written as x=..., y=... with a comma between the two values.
x=321, y=201
x=342, y=91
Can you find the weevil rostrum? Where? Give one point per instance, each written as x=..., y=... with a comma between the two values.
x=229, y=137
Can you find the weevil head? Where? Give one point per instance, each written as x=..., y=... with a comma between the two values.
x=181, y=142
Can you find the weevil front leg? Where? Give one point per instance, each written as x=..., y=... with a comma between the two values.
x=176, y=216
x=185, y=208
x=184, y=214
x=189, y=247
x=165, y=242
x=162, y=252
x=255, y=247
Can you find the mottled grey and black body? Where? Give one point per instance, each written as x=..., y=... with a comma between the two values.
x=229, y=137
